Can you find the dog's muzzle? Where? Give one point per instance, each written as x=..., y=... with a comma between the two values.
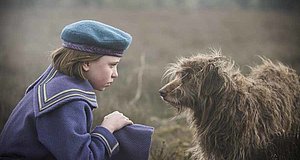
x=162, y=93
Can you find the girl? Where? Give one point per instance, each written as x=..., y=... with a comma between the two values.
x=54, y=118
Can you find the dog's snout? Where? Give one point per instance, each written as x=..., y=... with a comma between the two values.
x=162, y=93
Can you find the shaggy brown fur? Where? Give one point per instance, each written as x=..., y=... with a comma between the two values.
x=237, y=117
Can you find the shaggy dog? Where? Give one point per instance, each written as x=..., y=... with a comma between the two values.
x=237, y=117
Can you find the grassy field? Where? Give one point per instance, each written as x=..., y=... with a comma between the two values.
x=29, y=34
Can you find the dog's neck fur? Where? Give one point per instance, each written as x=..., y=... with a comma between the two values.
x=216, y=142
x=222, y=136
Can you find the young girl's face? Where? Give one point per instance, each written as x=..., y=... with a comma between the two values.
x=102, y=72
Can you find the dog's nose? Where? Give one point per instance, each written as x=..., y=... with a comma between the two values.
x=162, y=93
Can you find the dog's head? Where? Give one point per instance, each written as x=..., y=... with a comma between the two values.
x=192, y=81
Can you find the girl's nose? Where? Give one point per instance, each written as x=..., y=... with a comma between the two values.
x=115, y=74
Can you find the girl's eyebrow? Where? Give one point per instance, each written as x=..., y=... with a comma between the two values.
x=116, y=62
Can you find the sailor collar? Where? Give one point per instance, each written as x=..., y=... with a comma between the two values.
x=53, y=89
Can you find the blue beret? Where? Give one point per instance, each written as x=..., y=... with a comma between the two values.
x=95, y=37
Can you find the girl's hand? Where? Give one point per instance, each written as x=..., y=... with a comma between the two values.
x=115, y=121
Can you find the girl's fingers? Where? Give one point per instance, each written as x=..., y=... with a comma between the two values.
x=130, y=122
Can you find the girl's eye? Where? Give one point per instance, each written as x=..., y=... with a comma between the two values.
x=113, y=65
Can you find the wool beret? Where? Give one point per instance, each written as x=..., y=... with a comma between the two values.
x=95, y=37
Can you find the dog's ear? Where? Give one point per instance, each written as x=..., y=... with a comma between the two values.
x=212, y=81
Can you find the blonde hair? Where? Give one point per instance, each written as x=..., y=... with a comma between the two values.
x=70, y=62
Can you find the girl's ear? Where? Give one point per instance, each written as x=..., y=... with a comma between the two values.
x=86, y=66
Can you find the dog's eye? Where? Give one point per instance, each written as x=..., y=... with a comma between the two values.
x=184, y=77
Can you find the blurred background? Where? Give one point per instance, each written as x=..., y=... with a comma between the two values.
x=163, y=31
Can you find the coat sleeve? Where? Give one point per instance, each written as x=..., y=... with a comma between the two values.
x=65, y=132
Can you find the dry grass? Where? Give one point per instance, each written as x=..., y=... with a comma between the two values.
x=28, y=35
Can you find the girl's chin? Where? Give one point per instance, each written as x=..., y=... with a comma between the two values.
x=100, y=89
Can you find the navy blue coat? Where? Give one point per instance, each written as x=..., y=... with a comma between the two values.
x=54, y=119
